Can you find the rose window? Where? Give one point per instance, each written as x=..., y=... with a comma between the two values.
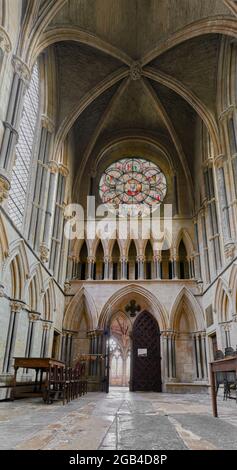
x=132, y=186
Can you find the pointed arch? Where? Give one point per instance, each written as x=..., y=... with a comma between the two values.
x=185, y=298
x=75, y=310
x=222, y=301
x=35, y=277
x=152, y=304
x=184, y=235
x=17, y=264
x=48, y=300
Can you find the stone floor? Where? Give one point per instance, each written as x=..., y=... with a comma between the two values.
x=119, y=420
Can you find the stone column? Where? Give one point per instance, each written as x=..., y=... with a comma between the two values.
x=33, y=318
x=123, y=261
x=63, y=347
x=90, y=267
x=198, y=355
x=16, y=308
x=157, y=266
x=45, y=339
x=45, y=168
x=171, y=355
x=53, y=168
x=204, y=354
x=223, y=199
x=164, y=337
x=140, y=262
x=174, y=261
x=20, y=81
x=107, y=262
x=68, y=348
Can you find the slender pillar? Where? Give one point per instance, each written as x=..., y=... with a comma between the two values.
x=123, y=261
x=63, y=345
x=157, y=266
x=20, y=81
x=198, y=356
x=16, y=308
x=90, y=267
x=140, y=261
x=107, y=262
x=33, y=318
x=45, y=339
x=204, y=354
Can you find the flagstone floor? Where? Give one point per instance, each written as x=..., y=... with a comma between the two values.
x=119, y=420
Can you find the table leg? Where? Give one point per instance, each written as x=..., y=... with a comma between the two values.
x=213, y=393
x=36, y=379
x=14, y=384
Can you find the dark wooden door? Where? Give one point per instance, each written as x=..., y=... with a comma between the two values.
x=145, y=370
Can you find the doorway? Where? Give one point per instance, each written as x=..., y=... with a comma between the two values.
x=146, y=366
x=119, y=351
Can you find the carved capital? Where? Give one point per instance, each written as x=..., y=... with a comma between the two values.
x=229, y=250
x=91, y=259
x=21, y=69
x=220, y=160
x=4, y=188
x=15, y=306
x=140, y=258
x=136, y=71
x=44, y=252
x=53, y=166
x=47, y=123
x=33, y=316
x=107, y=259
x=46, y=325
x=227, y=113
x=67, y=286
x=5, y=42
x=63, y=169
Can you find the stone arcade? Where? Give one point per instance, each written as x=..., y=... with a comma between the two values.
x=133, y=103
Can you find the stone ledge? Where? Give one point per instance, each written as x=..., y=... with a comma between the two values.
x=186, y=387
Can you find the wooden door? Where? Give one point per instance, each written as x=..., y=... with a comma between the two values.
x=146, y=370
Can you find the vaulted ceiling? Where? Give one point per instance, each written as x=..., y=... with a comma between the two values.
x=137, y=67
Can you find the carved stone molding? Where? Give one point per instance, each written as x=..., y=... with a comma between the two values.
x=229, y=250
x=227, y=113
x=46, y=325
x=136, y=71
x=4, y=188
x=63, y=169
x=67, y=286
x=21, y=69
x=33, y=316
x=44, y=252
x=47, y=123
x=5, y=42
x=15, y=306
x=220, y=160
x=53, y=166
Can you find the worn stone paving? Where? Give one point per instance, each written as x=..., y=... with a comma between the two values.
x=119, y=420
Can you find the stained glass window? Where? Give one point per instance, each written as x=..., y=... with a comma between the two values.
x=24, y=148
x=132, y=186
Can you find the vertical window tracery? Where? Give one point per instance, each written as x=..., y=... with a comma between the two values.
x=24, y=150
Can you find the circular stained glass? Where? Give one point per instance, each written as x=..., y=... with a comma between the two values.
x=132, y=186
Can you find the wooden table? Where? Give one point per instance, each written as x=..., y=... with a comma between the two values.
x=228, y=364
x=39, y=364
